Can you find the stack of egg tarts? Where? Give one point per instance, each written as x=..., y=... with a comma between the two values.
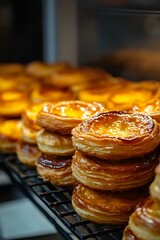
x=27, y=150
x=116, y=154
x=54, y=140
x=144, y=223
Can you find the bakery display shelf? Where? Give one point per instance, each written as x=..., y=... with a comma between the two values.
x=55, y=203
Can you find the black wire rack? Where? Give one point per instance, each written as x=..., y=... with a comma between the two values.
x=56, y=204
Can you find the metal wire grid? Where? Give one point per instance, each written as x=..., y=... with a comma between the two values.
x=58, y=201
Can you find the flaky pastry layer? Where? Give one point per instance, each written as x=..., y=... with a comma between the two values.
x=128, y=234
x=56, y=170
x=117, y=135
x=29, y=135
x=145, y=221
x=152, y=108
x=30, y=114
x=55, y=143
x=155, y=185
x=105, y=207
x=27, y=153
x=63, y=116
x=113, y=176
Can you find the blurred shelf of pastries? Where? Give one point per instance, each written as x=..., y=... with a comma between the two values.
x=112, y=150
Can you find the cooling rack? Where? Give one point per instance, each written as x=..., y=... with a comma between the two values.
x=55, y=203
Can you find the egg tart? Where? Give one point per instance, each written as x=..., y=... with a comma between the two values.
x=11, y=68
x=56, y=170
x=105, y=207
x=20, y=82
x=155, y=186
x=10, y=133
x=13, y=103
x=27, y=153
x=100, y=92
x=145, y=221
x=30, y=114
x=126, y=98
x=71, y=77
x=41, y=69
x=46, y=93
x=63, y=116
x=117, y=135
x=55, y=143
x=151, y=108
x=113, y=175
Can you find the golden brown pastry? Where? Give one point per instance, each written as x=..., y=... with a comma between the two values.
x=41, y=69
x=11, y=68
x=145, y=221
x=126, y=98
x=13, y=103
x=128, y=234
x=29, y=135
x=63, y=116
x=44, y=93
x=29, y=127
x=55, y=143
x=71, y=77
x=56, y=170
x=117, y=135
x=151, y=108
x=27, y=153
x=105, y=207
x=100, y=92
x=114, y=176
x=10, y=133
x=20, y=82
x=155, y=186
x=7, y=84
x=30, y=114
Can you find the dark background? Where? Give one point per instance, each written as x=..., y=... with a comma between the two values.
x=20, y=30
